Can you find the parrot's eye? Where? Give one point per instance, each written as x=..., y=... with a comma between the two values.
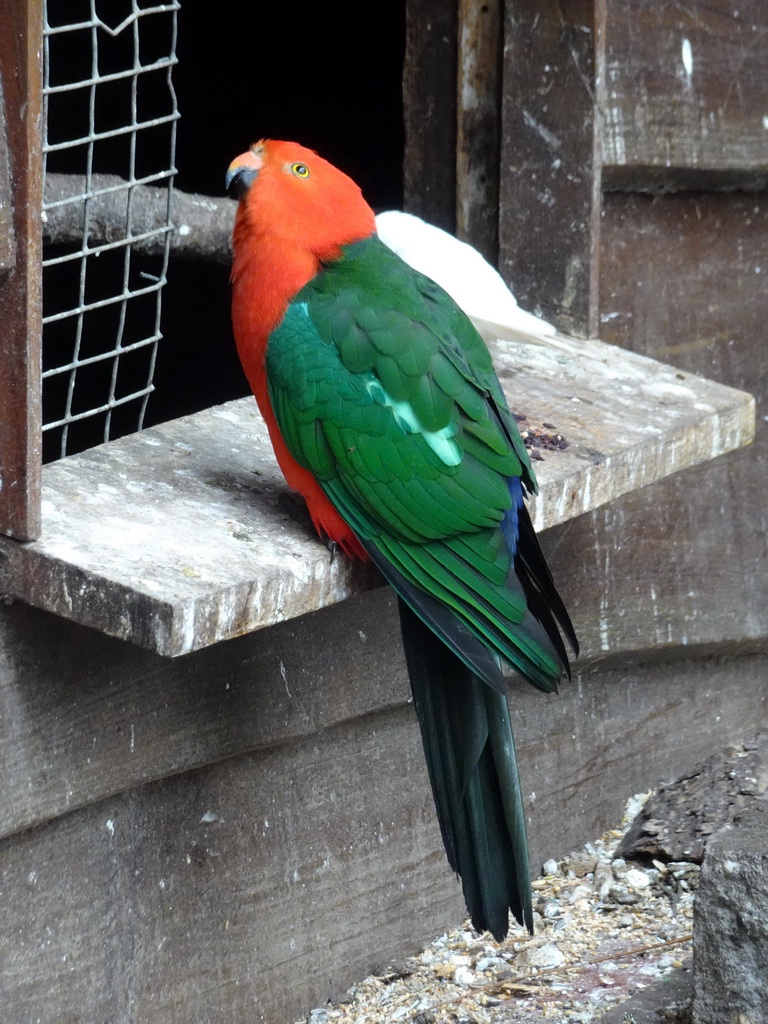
x=300, y=170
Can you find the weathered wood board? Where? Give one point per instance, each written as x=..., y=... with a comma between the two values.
x=684, y=94
x=478, y=143
x=429, y=111
x=85, y=716
x=176, y=538
x=248, y=891
x=549, y=190
x=688, y=281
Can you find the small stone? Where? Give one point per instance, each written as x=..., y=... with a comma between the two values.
x=461, y=960
x=618, y=867
x=602, y=879
x=622, y=895
x=464, y=977
x=550, y=867
x=582, y=864
x=636, y=879
x=488, y=962
x=488, y=1000
x=579, y=893
x=546, y=956
x=551, y=909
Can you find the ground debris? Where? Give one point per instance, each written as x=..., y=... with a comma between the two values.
x=605, y=931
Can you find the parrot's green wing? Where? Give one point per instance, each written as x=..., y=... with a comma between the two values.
x=385, y=391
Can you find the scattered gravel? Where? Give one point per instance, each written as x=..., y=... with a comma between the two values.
x=604, y=929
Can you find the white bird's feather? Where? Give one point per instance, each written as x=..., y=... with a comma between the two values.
x=473, y=283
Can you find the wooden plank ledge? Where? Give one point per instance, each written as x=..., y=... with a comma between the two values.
x=184, y=534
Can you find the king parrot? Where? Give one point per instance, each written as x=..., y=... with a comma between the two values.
x=386, y=414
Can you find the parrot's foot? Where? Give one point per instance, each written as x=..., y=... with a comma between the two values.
x=333, y=547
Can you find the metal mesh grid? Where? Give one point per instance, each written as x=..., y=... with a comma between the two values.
x=109, y=108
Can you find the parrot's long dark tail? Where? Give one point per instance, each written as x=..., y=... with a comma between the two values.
x=470, y=753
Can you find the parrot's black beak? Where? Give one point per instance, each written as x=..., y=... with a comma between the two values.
x=239, y=179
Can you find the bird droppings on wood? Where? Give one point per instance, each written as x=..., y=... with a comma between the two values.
x=605, y=930
x=535, y=438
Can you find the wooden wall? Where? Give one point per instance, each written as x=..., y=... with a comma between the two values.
x=244, y=832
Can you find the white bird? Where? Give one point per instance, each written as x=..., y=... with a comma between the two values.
x=468, y=277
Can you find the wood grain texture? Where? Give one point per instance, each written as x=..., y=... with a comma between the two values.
x=678, y=565
x=20, y=288
x=478, y=143
x=258, y=887
x=178, y=537
x=86, y=716
x=687, y=281
x=429, y=110
x=550, y=174
x=685, y=94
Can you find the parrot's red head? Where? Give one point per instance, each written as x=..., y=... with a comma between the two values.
x=288, y=192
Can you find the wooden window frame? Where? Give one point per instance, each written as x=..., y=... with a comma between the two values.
x=21, y=189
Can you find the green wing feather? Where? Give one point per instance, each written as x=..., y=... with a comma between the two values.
x=384, y=390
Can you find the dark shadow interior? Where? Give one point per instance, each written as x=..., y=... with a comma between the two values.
x=327, y=75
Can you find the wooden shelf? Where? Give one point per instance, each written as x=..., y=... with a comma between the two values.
x=184, y=534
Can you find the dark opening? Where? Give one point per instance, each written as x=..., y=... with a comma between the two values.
x=327, y=75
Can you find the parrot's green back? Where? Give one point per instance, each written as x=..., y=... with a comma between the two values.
x=384, y=390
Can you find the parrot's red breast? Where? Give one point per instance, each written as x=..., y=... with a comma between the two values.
x=283, y=234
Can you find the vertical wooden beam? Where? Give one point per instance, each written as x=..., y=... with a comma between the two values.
x=20, y=287
x=550, y=188
x=429, y=102
x=480, y=48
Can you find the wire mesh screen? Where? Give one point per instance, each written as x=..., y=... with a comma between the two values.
x=109, y=126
